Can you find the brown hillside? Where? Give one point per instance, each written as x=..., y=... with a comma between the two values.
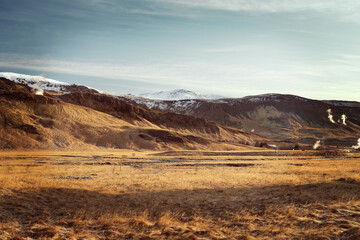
x=119, y=107
x=276, y=116
x=87, y=120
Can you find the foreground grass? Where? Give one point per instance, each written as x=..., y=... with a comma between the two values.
x=128, y=195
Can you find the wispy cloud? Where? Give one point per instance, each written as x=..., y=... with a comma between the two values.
x=269, y=5
x=302, y=79
x=232, y=50
x=347, y=10
x=110, y=70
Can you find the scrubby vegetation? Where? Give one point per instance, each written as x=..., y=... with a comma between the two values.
x=178, y=195
x=330, y=153
x=261, y=144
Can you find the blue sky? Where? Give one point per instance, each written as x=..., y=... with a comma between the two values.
x=230, y=47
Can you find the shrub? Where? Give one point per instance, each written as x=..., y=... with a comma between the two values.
x=332, y=153
x=261, y=144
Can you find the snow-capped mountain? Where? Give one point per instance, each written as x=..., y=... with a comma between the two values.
x=37, y=82
x=178, y=94
x=40, y=83
x=272, y=115
x=184, y=105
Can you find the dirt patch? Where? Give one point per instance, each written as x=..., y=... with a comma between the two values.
x=77, y=177
x=347, y=180
x=297, y=164
x=215, y=165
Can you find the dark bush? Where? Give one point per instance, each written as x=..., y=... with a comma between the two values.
x=332, y=153
x=263, y=145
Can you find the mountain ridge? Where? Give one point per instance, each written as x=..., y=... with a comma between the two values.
x=178, y=94
x=271, y=115
x=40, y=81
x=281, y=116
x=90, y=119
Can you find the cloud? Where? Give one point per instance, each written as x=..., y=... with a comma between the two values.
x=270, y=6
x=110, y=70
x=233, y=49
x=347, y=11
x=191, y=74
x=226, y=78
x=188, y=8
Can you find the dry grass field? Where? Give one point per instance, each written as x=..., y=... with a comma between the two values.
x=179, y=195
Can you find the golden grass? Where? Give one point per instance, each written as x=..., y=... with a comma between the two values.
x=152, y=195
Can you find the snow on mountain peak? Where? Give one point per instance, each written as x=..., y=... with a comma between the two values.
x=28, y=78
x=37, y=82
x=40, y=83
x=178, y=94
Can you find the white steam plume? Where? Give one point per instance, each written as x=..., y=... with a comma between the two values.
x=330, y=116
x=343, y=118
x=316, y=144
x=358, y=145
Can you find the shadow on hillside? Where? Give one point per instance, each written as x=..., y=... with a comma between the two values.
x=57, y=203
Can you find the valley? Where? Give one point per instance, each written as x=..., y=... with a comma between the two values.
x=124, y=194
x=179, y=120
x=78, y=163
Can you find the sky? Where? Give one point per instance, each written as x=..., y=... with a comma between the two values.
x=233, y=48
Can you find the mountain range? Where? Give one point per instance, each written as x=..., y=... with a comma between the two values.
x=178, y=94
x=276, y=116
x=191, y=121
x=81, y=117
